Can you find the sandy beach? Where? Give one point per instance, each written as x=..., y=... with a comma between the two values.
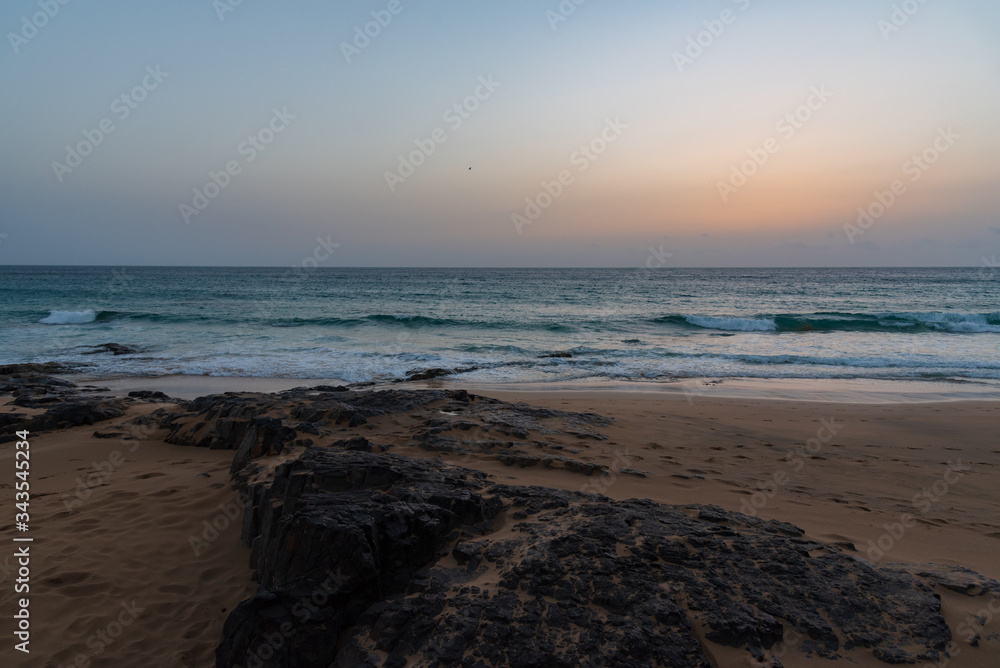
x=126, y=561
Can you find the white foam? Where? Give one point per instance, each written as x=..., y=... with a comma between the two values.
x=733, y=324
x=69, y=317
x=968, y=323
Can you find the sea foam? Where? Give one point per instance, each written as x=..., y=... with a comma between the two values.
x=733, y=324
x=69, y=317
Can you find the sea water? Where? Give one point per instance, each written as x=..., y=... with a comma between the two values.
x=499, y=325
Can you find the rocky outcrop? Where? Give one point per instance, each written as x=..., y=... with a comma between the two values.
x=365, y=557
x=62, y=403
x=373, y=559
x=450, y=421
x=113, y=348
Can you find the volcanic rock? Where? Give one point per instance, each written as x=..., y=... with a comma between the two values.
x=373, y=559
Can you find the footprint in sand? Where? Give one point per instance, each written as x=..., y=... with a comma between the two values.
x=63, y=579
x=82, y=525
x=165, y=492
x=90, y=589
x=213, y=574
x=176, y=590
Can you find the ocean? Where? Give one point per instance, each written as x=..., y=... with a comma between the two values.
x=498, y=325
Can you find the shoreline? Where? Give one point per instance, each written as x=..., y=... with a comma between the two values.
x=822, y=390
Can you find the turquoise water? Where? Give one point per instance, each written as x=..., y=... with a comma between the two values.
x=621, y=324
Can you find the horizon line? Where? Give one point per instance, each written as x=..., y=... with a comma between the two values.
x=311, y=269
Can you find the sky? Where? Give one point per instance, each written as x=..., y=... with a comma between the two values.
x=500, y=134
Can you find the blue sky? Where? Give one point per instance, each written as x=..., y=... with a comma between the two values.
x=557, y=80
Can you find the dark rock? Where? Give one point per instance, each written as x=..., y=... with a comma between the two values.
x=113, y=348
x=450, y=421
x=359, y=444
x=12, y=419
x=64, y=404
x=110, y=433
x=48, y=368
x=362, y=555
x=66, y=415
x=465, y=552
x=35, y=401
x=307, y=428
x=263, y=437
x=427, y=374
x=148, y=394
x=460, y=395
x=430, y=374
